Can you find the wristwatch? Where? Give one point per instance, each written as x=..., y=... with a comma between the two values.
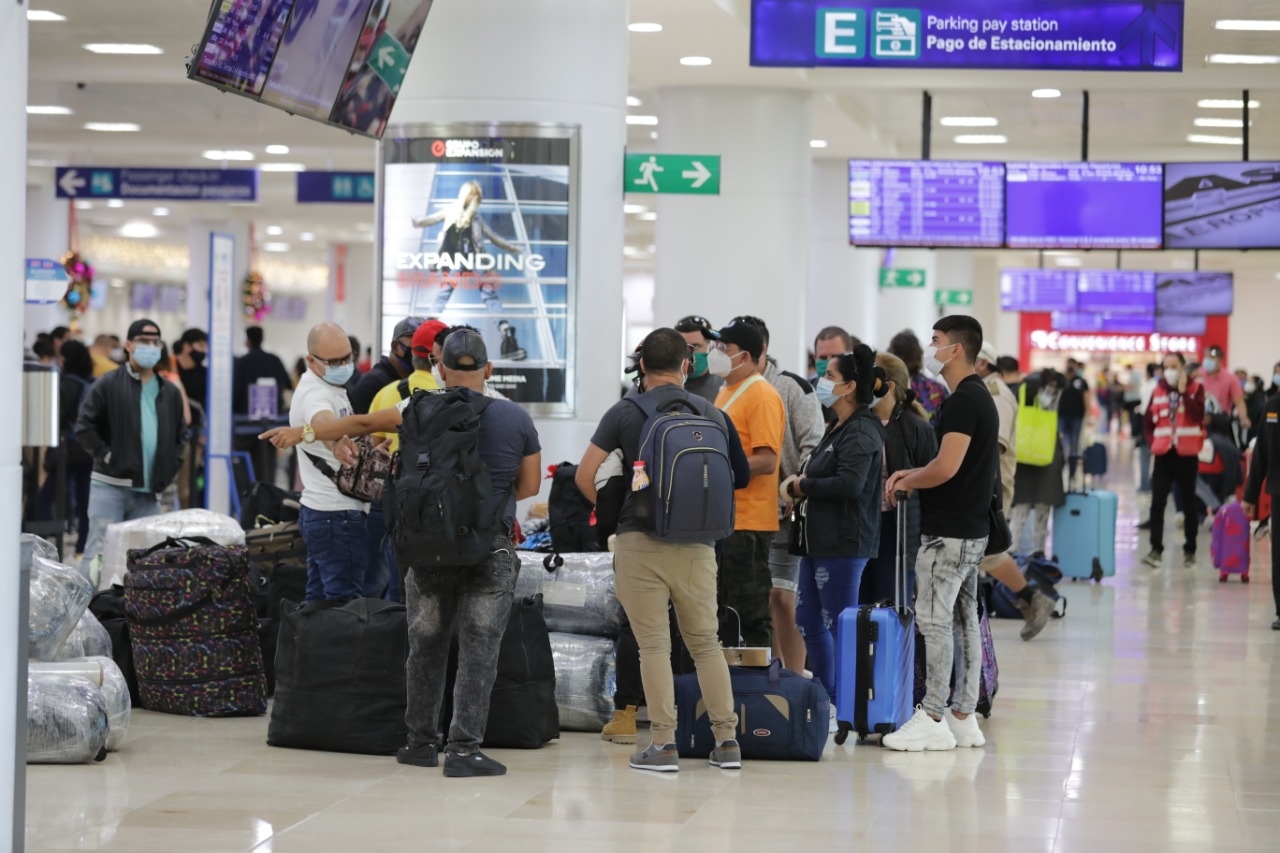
x=308, y=434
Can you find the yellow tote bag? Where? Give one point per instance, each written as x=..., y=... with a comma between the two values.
x=1037, y=431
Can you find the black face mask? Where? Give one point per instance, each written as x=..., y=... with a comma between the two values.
x=197, y=357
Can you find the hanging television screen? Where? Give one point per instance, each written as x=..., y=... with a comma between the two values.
x=1222, y=205
x=1113, y=324
x=1116, y=292
x=942, y=203
x=1038, y=290
x=340, y=62
x=1083, y=205
x=1182, y=324
x=1196, y=293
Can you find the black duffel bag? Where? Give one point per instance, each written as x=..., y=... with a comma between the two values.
x=340, y=679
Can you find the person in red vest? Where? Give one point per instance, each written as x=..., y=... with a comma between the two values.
x=1174, y=427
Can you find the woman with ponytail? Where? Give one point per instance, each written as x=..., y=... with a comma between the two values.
x=909, y=443
x=838, y=496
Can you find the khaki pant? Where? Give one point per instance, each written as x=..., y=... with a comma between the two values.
x=649, y=573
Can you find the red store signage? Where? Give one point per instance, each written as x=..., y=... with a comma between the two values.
x=1037, y=333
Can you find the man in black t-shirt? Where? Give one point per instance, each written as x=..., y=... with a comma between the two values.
x=955, y=495
x=1072, y=409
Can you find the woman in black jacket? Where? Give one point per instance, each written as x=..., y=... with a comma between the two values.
x=910, y=442
x=838, y=510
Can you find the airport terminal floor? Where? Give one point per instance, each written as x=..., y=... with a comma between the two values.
x=1143, y=721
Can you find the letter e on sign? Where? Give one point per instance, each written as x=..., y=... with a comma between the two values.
x=841, y=33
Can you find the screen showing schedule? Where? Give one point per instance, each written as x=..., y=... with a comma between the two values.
x=926, y=203
x=1084, y=205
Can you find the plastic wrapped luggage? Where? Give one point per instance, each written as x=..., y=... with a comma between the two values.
x=87, y=639
x=32, y=546
x=102, y=673
x=586, y=677
x=1084, y=535
x=578, y=591
x=1231, y=546
x=145, y=533
x=59, y=596
x=193, y=629
x=66, y=720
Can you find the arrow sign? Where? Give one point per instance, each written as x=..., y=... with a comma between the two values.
x=953, y=297
x=688, y=174
x=387, y=57
x=1149, y=26
x=390, y=62
x=71, y=183
x=891, y=278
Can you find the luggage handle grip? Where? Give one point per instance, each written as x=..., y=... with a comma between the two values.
x=901, y=499
x=210, y=596
x=180, y=542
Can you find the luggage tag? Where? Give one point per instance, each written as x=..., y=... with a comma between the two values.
x=564, y=594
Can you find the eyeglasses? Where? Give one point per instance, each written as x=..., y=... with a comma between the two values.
x=334, y=362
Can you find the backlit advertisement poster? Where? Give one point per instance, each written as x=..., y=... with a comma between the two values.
x=478, y=224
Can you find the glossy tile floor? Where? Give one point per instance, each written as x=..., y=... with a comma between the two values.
x=1147, y=720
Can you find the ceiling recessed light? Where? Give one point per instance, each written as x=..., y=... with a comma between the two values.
x=115, y=203
x=48, y=111
x=274, y=230
x=633, y=209
x=1046, y=93
x=1243, y=59
x=139, y=230
x=1068, y=262
x=43, y=16
x=275, y=247
x=1226, y=104
x=645, y=28
x=125, y=49
x=653, y=135
x=648, y=217
x=969, y=121
x=277, y=149
x=84, y=205
x=160, y=211
x=282, y=167
x=112, y=127
x=1250, y=26
x=817, y=143
x=648, y=121
x=228, y=155
x=307, y=237
x=695, y=61
x=981, y=139
x=1220, y=122
x=1208, y=139
x=633, y=101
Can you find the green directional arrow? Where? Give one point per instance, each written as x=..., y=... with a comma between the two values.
x=902, y=278
x=689, y=174
x=390, y=61
x=953, y=297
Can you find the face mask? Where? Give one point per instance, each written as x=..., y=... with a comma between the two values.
x=1275, y=380
x=117, y=355
x=699, y=365
x=339, y=376
x=197, y=357
x=1171, y=376
x=821, y=365
x=1210, y=365
x=1250, y=387
x=719, y=363
x=826, y=392
x=435, y=371
x=146, y=356
x=1046, y=399
x=932, y=363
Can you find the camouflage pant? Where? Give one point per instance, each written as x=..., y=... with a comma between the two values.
x=745, y=582
x=947, y=613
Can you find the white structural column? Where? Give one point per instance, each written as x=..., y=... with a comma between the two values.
x=13, y=180
x=548, y=61
x=844, y=282
x=747, y=250
x=46, y=238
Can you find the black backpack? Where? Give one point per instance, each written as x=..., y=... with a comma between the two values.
x=438, y=507
x=569, y=513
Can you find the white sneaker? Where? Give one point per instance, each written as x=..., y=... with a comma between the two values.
x=920, y=733
x=835, y=724
x=966, y=731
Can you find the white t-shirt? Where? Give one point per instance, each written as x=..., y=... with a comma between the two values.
x=313, y=396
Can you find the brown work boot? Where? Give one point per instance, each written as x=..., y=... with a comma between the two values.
x=622, y=728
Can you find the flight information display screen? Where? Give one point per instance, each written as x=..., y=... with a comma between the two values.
x=1182, y=324
x=1116, y=292
x=926, y=203
x=1222, y=205
x=1195, y=293
x=1084, y=205
x=1038, y=290
x=1114, y=324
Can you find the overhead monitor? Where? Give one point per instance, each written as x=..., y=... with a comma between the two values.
x=1196, y=293
x=1222, y=205
x=1182, y=324
x=1116, y=292
x=939, y=203
x=1038, y=290
x=340, y=62
x=1116, y=324
x=1083, y=205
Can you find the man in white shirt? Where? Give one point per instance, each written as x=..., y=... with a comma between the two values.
x=333, y=526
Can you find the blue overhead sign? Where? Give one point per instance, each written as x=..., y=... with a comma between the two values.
x=339, y=187
x=1069, y=35
x=93, y=182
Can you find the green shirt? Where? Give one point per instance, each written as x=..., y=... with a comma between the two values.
x=150, y=429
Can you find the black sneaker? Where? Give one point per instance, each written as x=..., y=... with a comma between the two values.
x=419, y=756
x=474, y=764
x=1146, y=525
x=1275, y=626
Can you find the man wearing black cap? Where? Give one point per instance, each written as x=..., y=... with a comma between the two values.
x=760, y=418
x=698, y=333
x=132, y=424
x=391, y=368
x=473, y=602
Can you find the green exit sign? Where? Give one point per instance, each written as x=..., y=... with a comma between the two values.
x=954, y=297
x=687, y=174
x=902, y=278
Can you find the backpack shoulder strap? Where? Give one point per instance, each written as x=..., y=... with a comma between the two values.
x=403, y=389
x=742, y=389
x=799, y=380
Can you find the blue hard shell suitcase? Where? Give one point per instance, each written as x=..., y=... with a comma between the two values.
x=1095, y=460
x=1084, y=535
x=782, y=716
x=875, y=657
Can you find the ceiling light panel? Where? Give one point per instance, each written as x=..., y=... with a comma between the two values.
x=1248, y=26
x=633, y=101
x=124, y=49
x=242, y=156
x=1209, y=139
x=1243, y=59
x=1220, y=122
x=1225, y=104
x=981, y=139
x=275, y=247
x=647, y=121
x=695, y=61
x=277, y=149
x=48, y=111
x=1046, y=93
x=112, y=127
x=817, y=143
x=969, y=121
x=645, y=27
x=282, y=167
x=41, y=16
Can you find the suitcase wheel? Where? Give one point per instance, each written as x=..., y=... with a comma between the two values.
x=1096, y=576
x=1244, y=578
x=842, y=733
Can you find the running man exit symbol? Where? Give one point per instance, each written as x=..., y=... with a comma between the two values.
x=688, y=174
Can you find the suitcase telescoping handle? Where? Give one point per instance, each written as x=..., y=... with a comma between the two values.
x=900, y=602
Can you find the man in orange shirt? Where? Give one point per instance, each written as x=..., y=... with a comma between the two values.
x=760, y=418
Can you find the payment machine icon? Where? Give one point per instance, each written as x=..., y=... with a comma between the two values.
x=897, y=34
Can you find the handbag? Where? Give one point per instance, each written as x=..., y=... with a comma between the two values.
x=999, y=536
x=1037, y=432
x=363, y=480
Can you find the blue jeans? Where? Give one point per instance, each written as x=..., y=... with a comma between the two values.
x=109, y=505
x=338, y=555
x=382, y=580
x=828, y=585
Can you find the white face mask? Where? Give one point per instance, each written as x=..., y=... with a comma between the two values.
x=931, y=361
x=1046, y=398
x=1250, y=387
x=1171, y=376
x=719, y=363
